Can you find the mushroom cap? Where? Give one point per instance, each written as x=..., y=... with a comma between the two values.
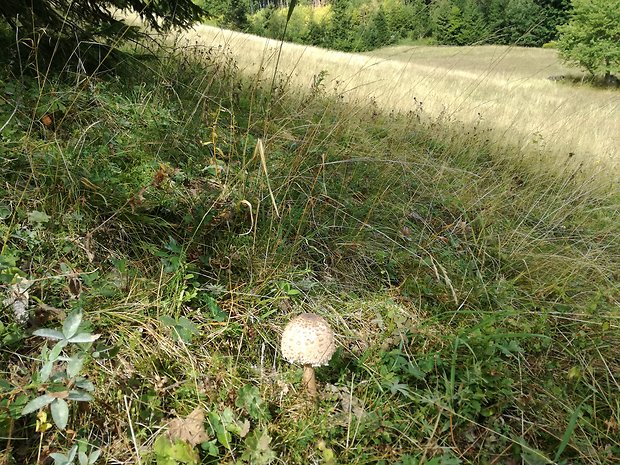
x=308, y=339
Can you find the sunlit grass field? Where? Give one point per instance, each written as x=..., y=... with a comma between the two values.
x=504, y=89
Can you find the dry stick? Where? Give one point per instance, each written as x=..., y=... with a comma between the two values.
x=291, y=7
x=9, y=445
x=263, y=161
x=133, y=435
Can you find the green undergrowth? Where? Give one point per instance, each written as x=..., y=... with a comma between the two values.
x=188, y=213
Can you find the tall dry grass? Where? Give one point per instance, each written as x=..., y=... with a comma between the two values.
x=505, y=89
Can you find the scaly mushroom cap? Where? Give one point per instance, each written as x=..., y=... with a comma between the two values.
x=308, y=340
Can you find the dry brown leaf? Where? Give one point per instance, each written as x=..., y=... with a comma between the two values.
x=74, y=286
x=612, y=425
x=244, y=428
x=190, y=429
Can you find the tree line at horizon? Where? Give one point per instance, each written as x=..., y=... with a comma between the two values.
x=360, y=25
x=586, y=32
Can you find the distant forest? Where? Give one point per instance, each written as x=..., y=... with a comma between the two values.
x=357, y=25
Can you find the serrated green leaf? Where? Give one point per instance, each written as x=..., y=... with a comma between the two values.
x=227, y=417
x=37, y=404
x=49, y=334
x=248, y=398
x=60, y=413
x=258, y=450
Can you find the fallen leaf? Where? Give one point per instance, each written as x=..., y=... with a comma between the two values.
x=190, y=429
x=75, y=286
x=47, y=120
x=244, y=429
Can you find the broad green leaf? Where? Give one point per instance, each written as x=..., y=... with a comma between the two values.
x=74, y=366
x=36, y=217
x=5, y=212
x=71, y=454
x=85, y=384
x=60, y=413
x=83, y=458
x=46, y=371
x=38, y=403
x=210, y=448
x=168, y=320
x=60, y=459
x=79, y=396
x=55, y=352
x=222, y=435
x=72, y=323
x=15, y=408
x=94, y=455
x=84, y=337
x=172, y=453
x=49, y=334
x=188, y=324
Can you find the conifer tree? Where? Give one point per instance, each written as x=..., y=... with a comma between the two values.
x=94, y=18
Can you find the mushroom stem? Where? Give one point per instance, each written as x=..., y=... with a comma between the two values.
x=309, y=381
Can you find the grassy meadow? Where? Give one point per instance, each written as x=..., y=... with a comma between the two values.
x=189, y=204
x=503, y=89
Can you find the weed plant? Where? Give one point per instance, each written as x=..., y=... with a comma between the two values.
x=189, y=212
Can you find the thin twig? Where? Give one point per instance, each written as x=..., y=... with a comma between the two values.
x=133, y=435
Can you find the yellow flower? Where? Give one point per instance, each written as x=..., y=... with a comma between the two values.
x=42, y=424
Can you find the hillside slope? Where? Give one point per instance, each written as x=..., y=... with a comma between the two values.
x=184, y=213
x=504, y=89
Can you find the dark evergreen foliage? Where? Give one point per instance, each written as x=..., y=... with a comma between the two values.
x=83, y=34
x=362, y=25
x=89, y=18
x=236, y=15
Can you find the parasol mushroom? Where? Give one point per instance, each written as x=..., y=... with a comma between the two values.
x=308, y=339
